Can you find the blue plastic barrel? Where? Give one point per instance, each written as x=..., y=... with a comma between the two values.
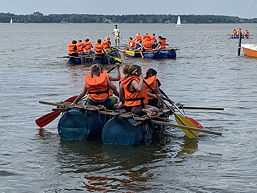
x=74, y=61
x=120, y=131
x=81, y=125
x=167, y=53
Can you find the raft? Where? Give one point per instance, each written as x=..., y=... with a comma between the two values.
x=109, y=58
x=116, y=127
x=237, y=37
x=152, y=54
x=77, y=124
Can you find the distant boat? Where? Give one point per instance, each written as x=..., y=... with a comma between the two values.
x=11, y=20
x=250, y=50
x=178, y=22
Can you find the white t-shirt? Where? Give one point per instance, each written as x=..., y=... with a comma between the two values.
x=116, y=32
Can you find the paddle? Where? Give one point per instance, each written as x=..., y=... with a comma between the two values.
x=198, y=108
x=49, y=117
x=187, y=127
x=184, y=120
x=180, y=119
x=203, y=108
x=119, y=60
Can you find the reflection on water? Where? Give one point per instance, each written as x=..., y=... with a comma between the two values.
x=111, y=168
x=188, y=146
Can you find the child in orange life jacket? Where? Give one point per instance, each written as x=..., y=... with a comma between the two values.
x=97, y=86
x=107, y=44
x=133, y=93
x=154, y=83
x=152, y=80
x=131, y=44
x=80, y=47
x=88, y=47
x=72, y=48
x=154, y=41
x=98, y=47
x=161, y=43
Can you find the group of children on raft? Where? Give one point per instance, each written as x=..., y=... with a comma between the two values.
x=134, y=95
x=236, y=33
x=146, y=42
x=101, y=47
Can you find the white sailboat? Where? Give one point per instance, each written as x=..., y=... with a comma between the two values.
x=178, y=22
x=11, y=20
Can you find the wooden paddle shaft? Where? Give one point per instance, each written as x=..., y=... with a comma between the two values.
x=50, y=103
x=203, y=108
x=185, y=127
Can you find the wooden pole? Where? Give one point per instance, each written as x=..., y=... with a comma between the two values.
x=185, y=127
x=239, y=44
x=203, y=108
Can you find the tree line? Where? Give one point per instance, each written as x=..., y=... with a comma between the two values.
x=38, y=17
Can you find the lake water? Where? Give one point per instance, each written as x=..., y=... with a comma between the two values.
x=207, y=72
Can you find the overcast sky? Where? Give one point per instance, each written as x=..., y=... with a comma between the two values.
x=240, y=8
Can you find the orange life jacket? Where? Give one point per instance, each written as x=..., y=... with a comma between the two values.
x=131, y=43
x=132, y=98
x=71, y=48
x=97, y=87
x=147, y=43
x=163, y=43
x=106, y=44
x=98, y=48
x=138, y=38
x=152, y=37
x=122, y=79
x=80, y=47
x=239, y=31
x=107, y=76
x=152, y=82
x=87, y=46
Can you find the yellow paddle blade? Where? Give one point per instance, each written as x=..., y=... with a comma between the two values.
x=117, y=59
x=130, y=52
x=182, y=120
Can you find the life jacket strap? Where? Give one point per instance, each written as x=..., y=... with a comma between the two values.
x=98, y=92
x=135, y=99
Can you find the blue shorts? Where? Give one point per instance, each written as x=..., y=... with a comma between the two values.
x=109, y=102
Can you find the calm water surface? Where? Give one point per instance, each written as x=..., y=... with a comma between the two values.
x=207, y=72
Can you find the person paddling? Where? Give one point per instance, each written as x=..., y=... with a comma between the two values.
x=131, y=44
x=154, y=95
